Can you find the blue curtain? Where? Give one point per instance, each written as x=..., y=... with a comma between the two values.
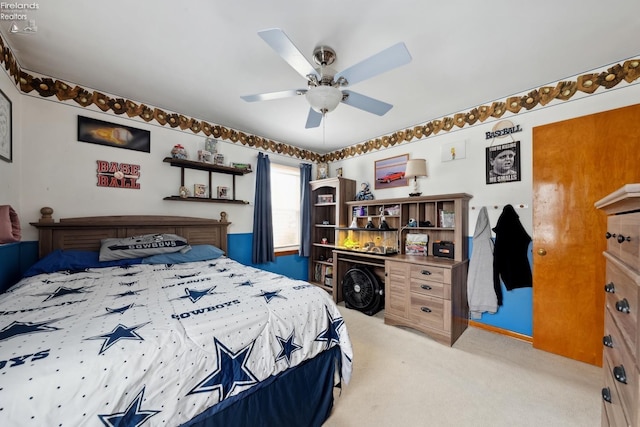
x=262, y=250
x=305, y=210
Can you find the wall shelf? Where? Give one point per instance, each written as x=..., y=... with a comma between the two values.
x=206, y=167
x=205, y=200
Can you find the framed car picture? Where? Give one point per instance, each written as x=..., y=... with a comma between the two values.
x=390, y=172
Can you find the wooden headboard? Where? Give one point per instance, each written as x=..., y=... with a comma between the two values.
x=86, y=233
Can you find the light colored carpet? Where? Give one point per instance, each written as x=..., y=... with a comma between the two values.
x=403, y=378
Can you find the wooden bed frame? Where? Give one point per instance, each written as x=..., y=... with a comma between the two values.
x=85, y=233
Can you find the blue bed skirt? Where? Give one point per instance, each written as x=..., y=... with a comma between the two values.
x=300, y=396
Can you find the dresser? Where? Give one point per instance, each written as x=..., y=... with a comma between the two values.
x=428, y=294
x=621, y=341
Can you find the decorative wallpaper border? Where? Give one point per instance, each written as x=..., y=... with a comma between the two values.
x=563, y=91
x=628, y=71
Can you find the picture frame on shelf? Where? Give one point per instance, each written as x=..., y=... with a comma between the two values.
x=223, y=192
x=6, y=129
x=218, y=159
x=322, y=170
x=199, y=190
x=325, y=198
x=204, y=156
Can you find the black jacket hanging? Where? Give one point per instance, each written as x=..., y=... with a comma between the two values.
x=510, y=253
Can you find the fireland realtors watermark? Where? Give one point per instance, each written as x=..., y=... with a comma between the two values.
x=16, y=11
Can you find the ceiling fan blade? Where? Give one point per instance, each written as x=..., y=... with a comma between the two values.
x=365, y=103
x=313, y=119
x=278, y=40
x=388, y=59
x=273, y=95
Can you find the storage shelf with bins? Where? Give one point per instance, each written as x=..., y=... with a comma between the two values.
x=211, y=168
x=328, y=213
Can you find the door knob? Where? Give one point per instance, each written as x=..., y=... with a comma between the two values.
x=542, y=251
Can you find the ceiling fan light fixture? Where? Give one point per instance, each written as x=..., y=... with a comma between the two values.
x=324, y=99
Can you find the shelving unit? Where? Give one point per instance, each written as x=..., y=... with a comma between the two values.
x=207, y=167
x=426, y=293
x=327, y=215
x=426, y=211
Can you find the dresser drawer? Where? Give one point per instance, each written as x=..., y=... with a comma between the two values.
x=622, y=302
x=431, y=273
x=611, y=408
x=621, y=371
x=625, y=238
x=430, y=312
x=429, y=288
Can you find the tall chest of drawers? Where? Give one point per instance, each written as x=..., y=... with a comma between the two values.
x=621, y=341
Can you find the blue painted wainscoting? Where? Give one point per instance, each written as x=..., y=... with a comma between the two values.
x=516, y=312
x=514, y=315
x=293, y=266
x=15, y=259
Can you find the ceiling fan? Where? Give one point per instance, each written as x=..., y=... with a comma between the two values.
x=324, y=84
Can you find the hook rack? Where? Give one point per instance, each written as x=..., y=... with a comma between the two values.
x=517, y=206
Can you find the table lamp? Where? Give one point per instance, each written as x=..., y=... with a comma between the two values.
x=415, y=168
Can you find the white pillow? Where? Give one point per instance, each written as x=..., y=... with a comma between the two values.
x=142, y=246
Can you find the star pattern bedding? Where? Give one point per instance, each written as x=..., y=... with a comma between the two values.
x=154, y=344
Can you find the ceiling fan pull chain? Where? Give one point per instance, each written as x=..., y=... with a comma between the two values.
x=324, y=124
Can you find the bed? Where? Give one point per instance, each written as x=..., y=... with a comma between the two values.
x=164, y=341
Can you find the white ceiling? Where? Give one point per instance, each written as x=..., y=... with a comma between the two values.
x=197, y=57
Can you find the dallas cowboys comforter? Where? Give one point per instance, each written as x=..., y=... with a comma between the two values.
x=153, y=345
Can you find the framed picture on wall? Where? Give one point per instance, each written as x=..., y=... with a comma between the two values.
x=114, y=135
x=390, y=172
x=503, y=163
x=6, y=131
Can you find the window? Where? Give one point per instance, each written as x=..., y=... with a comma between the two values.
x=285, y=205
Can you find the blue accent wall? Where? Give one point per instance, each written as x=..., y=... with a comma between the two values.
x=294, y=266
x=516, y=312
x=15, y=259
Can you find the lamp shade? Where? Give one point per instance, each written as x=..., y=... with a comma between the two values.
x=324, y=99
x=416, y=167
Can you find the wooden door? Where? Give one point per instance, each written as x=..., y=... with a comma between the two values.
x=576, y=163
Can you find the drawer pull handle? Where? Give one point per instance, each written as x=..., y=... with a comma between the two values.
x=607, y=341
x=619, y=374
x=606, y=394
x=609, y=235
x=426, y=287
x=622, y=239
x=425, y=309
x=623, y=306
x=610, y=288
x=426, y=272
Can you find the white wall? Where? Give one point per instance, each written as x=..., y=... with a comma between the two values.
x=60, y=172
x=468, y=175
x=9, y=191
x=52, y=168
